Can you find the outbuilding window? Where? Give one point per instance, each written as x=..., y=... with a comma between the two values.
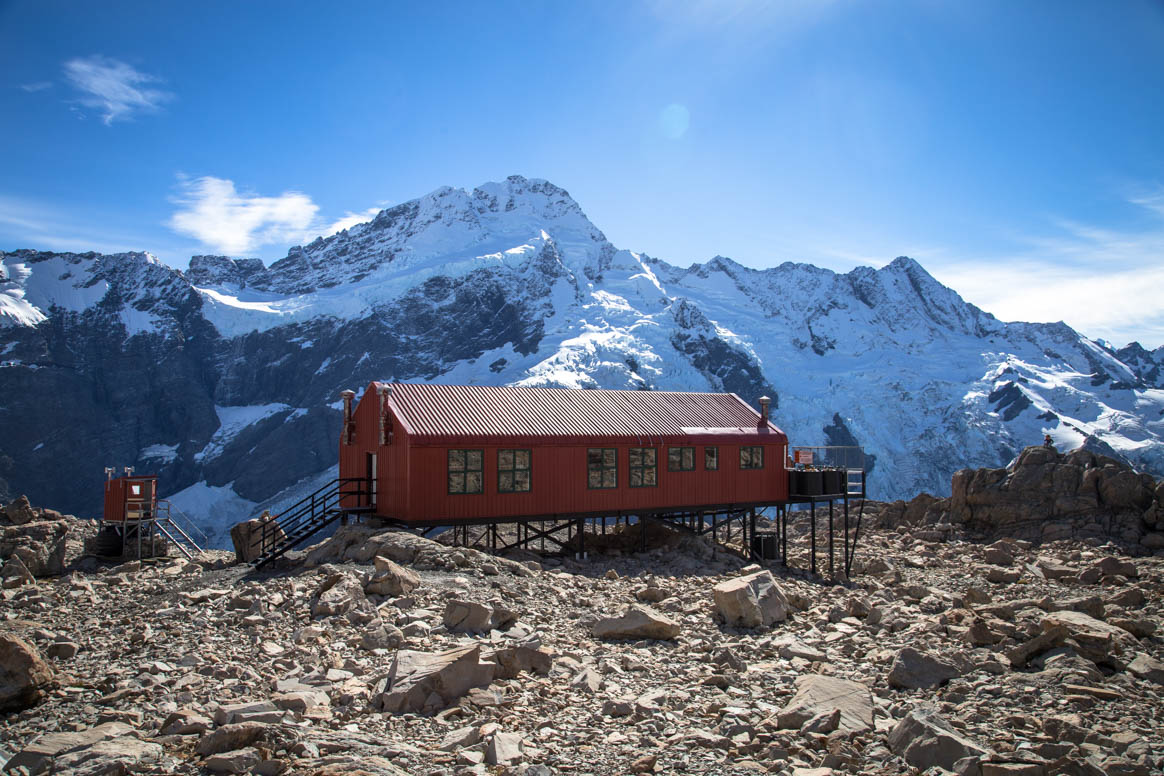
x=681, y=459
x=711, y=458
x=513, y=471
x=602, y=467
x=644, y=467
x=466, y=471
x=752, y=457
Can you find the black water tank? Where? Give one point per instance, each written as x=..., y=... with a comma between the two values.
x=811, y=483
x=834, y=481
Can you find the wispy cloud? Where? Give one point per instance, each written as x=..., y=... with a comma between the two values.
x=1103, y=282
x=349, y=220
x=214, y=212
x=114, y=88
x=39, y=86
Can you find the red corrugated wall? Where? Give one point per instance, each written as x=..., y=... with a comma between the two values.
x=413, y=485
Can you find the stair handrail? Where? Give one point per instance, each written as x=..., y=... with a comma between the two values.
x=161, y=524
x=186, y=523
x=178, y=529
x=308, y=509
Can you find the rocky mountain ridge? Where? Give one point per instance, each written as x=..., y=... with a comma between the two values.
x=225, y=379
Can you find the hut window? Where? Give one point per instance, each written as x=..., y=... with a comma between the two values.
x=752, y=457
x=513, y=471
x=466, y=473
x=644, y=467
x=711, y=458
x=602, y=467
x=681, y=459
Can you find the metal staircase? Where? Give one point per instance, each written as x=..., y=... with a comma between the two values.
x=310, y=515
x=178, y=529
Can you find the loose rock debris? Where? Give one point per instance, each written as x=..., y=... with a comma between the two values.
x=379, y=652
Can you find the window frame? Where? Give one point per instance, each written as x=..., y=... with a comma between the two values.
x=642, y=468
x=714, y=451
x=751, y=458
x=514, y=469
x=602, y=467
x=679, y=467
x=464, y=472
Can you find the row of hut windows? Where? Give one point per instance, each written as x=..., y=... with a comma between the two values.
x=467, y=467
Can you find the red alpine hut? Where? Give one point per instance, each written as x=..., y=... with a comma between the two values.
x=447, y=454
x=131, y=498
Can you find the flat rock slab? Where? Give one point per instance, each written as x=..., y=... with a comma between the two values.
x=817, y=695
x=1098, y=641
x=925, y=739
x=39, y=754
x=637, y=622
x=1147, y=667
x=914, y=670
x=429, y=681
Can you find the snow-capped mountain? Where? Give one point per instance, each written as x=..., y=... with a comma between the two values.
x=225, y=379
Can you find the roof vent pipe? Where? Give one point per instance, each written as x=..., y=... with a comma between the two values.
x=764, y=402
x=385, y=393
x=349, y=427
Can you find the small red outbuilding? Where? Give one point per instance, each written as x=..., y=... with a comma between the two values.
x=444, y=454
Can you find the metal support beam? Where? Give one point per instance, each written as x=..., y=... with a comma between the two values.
x=813, y=510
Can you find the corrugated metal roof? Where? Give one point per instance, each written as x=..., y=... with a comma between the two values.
x=476, y=410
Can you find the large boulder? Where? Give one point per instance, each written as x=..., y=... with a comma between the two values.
x=924, y=740
x=339, y=593
x=19, y=512
x=248, y=537
x=426, y=682
x=391, y=579
x=636, y=622
x=751, y=601
x=473, y=617
x=24, y=674
x=913, y=670
x=818, y=695
x=40, y=545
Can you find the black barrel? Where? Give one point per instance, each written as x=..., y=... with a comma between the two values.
x=795, y=483
x=812, y=483
x=834, y=482
x=766, y=546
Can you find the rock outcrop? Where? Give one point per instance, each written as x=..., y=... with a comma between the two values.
x=1043, y=495
x=251, y=536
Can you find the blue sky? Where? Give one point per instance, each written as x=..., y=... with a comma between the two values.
x=1015, y=149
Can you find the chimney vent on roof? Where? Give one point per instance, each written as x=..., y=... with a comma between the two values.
x=349, y=426
x=764, y=402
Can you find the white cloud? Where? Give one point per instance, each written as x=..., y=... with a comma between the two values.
x=113, y=87
x=349, y=220
x=213, y=212
x=1103, y=282
x=39, y=86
